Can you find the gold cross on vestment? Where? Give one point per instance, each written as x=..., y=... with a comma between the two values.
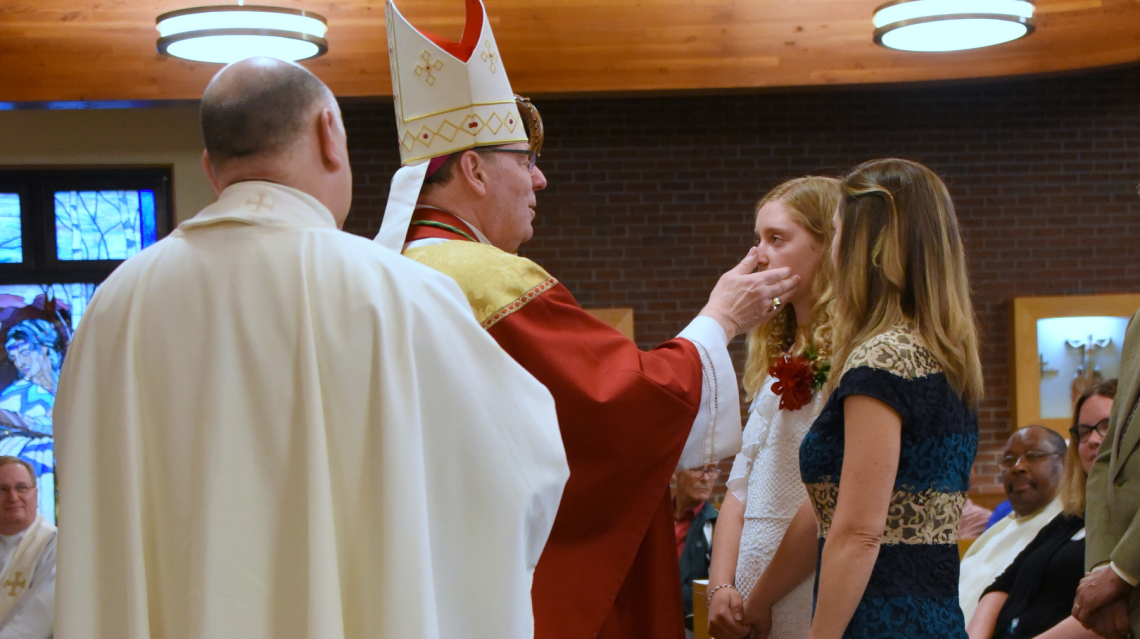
x=488, y=55
x=15, y=584
x=262, y=202
x=428, y=67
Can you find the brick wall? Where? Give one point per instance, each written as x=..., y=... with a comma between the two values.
x=650, y=199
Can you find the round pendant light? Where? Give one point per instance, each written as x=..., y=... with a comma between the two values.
x=228, y=33
x=951, y=25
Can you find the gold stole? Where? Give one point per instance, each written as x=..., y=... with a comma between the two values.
x=22, y=564
x=496, y=283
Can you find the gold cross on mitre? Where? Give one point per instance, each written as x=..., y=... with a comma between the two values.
x=15, y=584
x=488, y=55
x=427, y=67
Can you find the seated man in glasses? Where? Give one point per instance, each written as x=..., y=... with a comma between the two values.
x=1034, y=595
x=27, y=556
x=1031, y=466
x=693, y=519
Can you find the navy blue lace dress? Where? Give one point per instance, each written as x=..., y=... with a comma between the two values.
x=913, y=589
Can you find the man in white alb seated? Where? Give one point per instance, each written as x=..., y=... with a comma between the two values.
x=27, y=556
x=1031, y=472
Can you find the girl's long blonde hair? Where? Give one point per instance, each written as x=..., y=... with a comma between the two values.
x=1073, y=477
x=901, y=260
x=811, y=201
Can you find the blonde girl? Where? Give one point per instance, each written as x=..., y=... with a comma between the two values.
x=793, y=229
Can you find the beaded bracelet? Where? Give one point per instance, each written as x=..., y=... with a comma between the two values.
x=708, y=601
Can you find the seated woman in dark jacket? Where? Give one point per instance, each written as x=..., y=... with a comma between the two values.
x=1034, y=596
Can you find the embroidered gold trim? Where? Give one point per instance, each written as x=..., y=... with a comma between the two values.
x=495, y=283
x=459, y=108
x=899, y=350
x=926, y=517
x=454, y=131
x=494, y=123
x=517, y=305
x=431, y=154
x=473, y=124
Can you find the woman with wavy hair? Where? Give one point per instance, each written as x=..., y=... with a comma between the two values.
x=887, y=463
x=783, y=376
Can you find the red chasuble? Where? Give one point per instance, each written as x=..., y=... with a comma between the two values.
x=609, y=569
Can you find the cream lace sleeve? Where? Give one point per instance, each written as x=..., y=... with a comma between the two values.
x=737, y=482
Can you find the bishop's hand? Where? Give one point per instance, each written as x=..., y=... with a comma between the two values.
x=743, y=298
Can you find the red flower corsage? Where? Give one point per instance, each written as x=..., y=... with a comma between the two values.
x=797, y=378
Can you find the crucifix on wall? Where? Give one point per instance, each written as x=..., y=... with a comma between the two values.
x=1088, y=374
x=1046, y=365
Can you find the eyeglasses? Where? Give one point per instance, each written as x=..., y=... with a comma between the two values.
x=1082, y=432
x=21, y=489
x=705, y=472
x=531, y=161
x=1031, y=457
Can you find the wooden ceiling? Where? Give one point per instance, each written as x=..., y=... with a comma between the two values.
x=94, y=50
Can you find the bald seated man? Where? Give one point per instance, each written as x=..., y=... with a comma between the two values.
x=1031, y=465
x=274, y=429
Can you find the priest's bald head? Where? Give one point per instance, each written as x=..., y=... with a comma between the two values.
x=264, y=119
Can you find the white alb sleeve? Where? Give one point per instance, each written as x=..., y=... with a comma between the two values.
x=716, y=430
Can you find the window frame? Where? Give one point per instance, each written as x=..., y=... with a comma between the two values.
x=36, y=187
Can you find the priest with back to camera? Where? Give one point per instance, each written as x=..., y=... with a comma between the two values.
x=272, y=429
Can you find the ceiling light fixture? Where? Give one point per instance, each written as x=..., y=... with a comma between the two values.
x=228, y=33
x=951, y=25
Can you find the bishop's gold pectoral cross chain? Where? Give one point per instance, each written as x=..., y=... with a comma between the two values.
x=15, y=584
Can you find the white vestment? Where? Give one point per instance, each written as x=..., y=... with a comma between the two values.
x=271, y=429
x=995, y=550
x=27, y=574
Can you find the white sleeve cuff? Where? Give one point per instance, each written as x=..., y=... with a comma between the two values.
x=708, y=332
x=1128, y=579
x=716, y=430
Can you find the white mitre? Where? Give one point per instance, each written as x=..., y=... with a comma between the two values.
x=449, y=97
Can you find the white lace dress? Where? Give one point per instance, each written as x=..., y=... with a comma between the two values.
x=765, y=477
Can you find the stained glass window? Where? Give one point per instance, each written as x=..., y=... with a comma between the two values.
x=11, y=231
x=103, y=225
x=36, y=324
x=79, y=225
